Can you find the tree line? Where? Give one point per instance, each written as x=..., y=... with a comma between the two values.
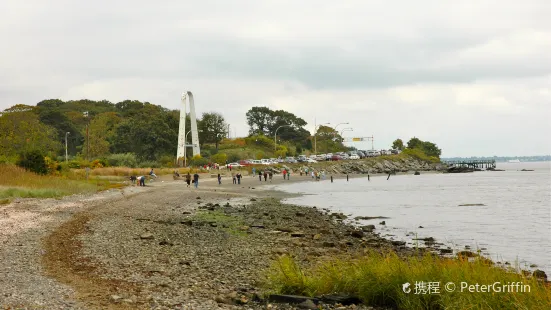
x=98, y=129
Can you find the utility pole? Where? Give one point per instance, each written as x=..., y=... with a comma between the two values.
x=229, y=133
x=66, y=154
x=87, y=136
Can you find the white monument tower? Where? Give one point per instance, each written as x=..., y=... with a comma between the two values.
x=182, y=134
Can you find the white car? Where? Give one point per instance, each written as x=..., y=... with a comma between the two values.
x=234, y=165
x=310, y=160
x=354, y=156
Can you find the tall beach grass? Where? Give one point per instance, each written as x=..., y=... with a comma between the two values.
x=16, y=182
x=378, y=279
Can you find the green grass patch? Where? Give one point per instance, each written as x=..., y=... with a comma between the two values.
x=4, y=201
x=32, y=193
x=377, y=279
x=232, y=224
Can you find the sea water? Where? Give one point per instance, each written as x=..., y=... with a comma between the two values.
x=505, y=214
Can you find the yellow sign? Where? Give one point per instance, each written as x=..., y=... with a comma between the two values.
x=357, y=139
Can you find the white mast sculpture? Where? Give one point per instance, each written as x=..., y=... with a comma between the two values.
x=182, y=134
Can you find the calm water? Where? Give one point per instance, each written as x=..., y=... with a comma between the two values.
x=514, y=224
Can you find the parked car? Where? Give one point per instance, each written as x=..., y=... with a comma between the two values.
x=335, y=157
x=265, y=161
x=256, y=162
x=245, y=162
x=310, y=160
x=235, y=165
x=290, y=160
x=354, y=156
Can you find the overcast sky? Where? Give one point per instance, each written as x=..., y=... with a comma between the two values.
x=472, y=76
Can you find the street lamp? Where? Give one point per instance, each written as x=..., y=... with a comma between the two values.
x=316, y=137
x=345, y=129
x=275, y=135
x=339, y=125
x=66, y=155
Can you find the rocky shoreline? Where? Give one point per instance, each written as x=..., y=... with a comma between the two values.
x=166, y=246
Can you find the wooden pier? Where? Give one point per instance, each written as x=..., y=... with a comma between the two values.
x=474, y=164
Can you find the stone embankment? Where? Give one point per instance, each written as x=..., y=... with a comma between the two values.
x=374, y=166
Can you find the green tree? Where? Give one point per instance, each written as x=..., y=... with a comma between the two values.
x=102, y=130
x=398, y=144
x=22, y=131
x=329, y=140
x=429, y=148
x=259, y=120
x=414, y=143
x=212, y=128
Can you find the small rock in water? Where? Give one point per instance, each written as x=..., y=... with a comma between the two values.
x=357, y=233
x=198, y=197
x=540, y=274
x=297, y=234
x=382, y=223
x=252, y=199
x=421, y=227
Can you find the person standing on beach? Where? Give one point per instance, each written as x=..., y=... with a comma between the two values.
x=234, y=178
x=313, y=174
x=271, y=174
x=265, y=175
x=188, y=179
x=196, y=180
x=347, y=177
x=219, y=179
x=284, y=173
x=254, y=171
x=260, y=175
x=288, y=174
x=239, y=178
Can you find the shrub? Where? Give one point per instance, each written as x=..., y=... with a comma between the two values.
x=197, y=160
x=219, y=158
x=260, y=140
x=33, y=161
x=96, y=164
x=166, y=161
x=51, y=165
x=123, y=160
x=233, y=158
x=419, y=154
x=260, y=155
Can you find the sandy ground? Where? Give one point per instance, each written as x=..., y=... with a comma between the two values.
x=129, y=249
